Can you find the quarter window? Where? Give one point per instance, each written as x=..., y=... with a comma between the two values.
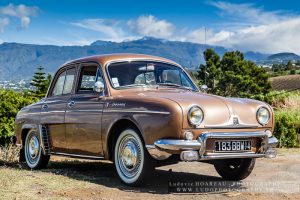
x=59, y=85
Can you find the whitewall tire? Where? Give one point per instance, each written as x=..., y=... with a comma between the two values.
x=132, y=161
x=34, y=156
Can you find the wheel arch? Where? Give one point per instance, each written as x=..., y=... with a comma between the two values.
x=24, y=131
x=115, y=131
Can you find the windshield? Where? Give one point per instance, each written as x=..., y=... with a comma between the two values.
x=142, y=73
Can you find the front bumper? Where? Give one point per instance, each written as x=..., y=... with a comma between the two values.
x=197, y=149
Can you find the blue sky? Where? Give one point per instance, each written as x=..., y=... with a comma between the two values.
x=266, y=26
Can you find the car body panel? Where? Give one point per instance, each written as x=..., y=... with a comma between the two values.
x=157, y=112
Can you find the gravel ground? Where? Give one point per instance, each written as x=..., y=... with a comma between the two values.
x=277, y=178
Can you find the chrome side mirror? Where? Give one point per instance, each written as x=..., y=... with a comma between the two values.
x=204, y=88
x=99, y=87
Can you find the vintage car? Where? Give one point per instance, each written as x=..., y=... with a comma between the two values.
x=142, y=111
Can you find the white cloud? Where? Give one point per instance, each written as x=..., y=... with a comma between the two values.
x=263, y=31
x=110, y=29
x=25, y=21
x=151, y=26
x=3, y=23
x=21, y=11
x=248, y=13
x=271, y=38
x=247, y=28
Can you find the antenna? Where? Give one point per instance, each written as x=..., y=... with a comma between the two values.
x=204, y=57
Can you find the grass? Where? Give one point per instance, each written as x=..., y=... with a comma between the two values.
x=18, y=182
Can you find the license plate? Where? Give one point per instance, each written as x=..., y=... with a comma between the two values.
x=227, y=146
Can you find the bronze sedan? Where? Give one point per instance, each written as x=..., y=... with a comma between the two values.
x=141, y=111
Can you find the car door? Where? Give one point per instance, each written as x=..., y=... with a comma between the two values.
x=83, y=114
x=54, y=107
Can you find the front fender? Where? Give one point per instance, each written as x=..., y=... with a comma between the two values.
x=155, y=118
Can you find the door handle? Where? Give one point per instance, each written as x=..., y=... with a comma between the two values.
x=45, y=106
x=71, y=104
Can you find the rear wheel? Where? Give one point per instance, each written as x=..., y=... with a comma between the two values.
x=35, y=159
x=235, y=169
x=132, y=161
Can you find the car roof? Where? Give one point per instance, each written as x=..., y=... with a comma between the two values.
x=107, y=58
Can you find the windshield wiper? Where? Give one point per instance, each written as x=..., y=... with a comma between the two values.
x=133, y=85
x=175, y=85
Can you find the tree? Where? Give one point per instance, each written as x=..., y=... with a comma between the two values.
x=289, y=65
x=209, y=74
x=40, y=82
x=233, y=75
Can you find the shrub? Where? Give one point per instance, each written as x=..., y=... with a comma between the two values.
x=9, y=154
x=287, y=125
x=10, y=103
x=281, y=99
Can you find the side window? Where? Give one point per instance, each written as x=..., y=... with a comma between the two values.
x=69, y=82
x=59, y=85
x=87, y=78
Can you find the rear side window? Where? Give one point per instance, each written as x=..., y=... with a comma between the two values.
x=64, y=83
x=69, y=81
x=59, y=85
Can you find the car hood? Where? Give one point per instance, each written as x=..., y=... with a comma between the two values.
x=219, y=112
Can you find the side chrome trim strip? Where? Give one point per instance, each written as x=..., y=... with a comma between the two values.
x=77, y=156
x=137, y=111
x=54, y=111
x=91, y=110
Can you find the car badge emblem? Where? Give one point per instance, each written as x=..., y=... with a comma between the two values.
x=235, y=121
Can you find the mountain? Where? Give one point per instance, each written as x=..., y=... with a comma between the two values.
x=283, y=57
x=19, y=61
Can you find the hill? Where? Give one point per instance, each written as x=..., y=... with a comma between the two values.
x=283, y=57
x=19, y=61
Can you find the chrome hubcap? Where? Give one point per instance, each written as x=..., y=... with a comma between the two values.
x=129, y=156
x=34, y=147
x=32, y=150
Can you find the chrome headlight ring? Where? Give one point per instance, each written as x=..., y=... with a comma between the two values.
x=195, y=115
x=263, y=116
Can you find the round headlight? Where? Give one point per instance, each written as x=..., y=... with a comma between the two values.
x=263, y=116
x=195, y=115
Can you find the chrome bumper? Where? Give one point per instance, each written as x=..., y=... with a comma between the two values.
x=161, y=147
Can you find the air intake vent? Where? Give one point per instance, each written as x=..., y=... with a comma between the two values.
x=46, y=139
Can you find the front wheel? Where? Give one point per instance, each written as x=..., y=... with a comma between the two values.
x=132, y=161
x=235, y=169
x=35, y=159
